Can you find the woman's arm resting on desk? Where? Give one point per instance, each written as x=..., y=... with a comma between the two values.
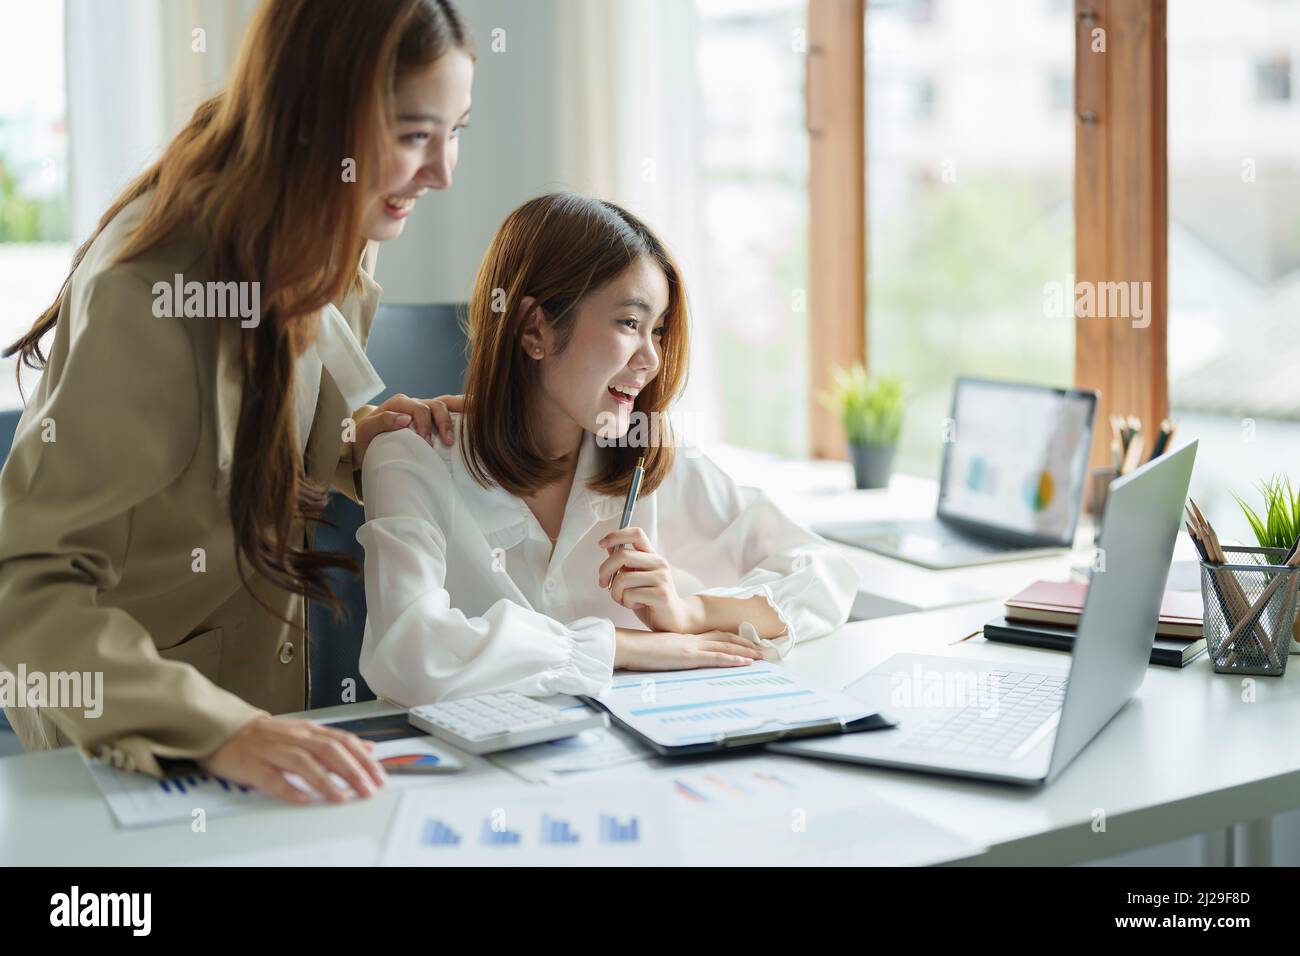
x=643, y=583
x=668, y=651
x=789, y=572
x=759, y=566
x=419, y=647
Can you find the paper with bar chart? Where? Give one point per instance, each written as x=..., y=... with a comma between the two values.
x=772, y=811
x=137, y=800
x=552, y=826
x=684, y=708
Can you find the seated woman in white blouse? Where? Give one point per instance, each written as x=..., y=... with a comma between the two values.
x=497, y=564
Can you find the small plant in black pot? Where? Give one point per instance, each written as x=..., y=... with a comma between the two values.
x=870, y=407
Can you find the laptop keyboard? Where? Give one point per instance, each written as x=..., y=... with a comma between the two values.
x=951, y=535
x=1017, y=712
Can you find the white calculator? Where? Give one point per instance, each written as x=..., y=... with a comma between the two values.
x=491, y=722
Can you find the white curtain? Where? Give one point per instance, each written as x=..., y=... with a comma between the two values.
x=136, y=69
x=629, y=134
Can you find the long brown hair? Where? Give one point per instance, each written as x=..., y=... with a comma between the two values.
x=556, y=249
x=258, y=171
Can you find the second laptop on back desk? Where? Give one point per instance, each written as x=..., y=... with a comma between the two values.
x=1015, y=464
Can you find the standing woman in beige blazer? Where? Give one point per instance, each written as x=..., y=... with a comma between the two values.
x=201, y=395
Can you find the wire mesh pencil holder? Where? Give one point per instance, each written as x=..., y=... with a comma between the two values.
x=1250, y=608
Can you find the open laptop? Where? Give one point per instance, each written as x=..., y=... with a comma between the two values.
x=1024, y=723
x=1015, y=464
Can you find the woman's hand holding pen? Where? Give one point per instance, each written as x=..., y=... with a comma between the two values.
x=642, y=582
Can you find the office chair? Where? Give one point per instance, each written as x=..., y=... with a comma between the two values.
x=8, y=426
x=420, y=351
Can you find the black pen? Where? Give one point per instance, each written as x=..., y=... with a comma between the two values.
x=633, y=490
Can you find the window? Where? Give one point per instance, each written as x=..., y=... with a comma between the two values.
x=920, y=12
x=754, y=189
x=34, y=240
x=969, y=211
x=1234, y=249
x=1273, y=80
x=924, y=98
x=1060, y=91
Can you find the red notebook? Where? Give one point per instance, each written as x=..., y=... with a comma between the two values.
x=1061, y=602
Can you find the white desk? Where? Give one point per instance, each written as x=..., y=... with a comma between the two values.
x=821, y=492
x=1153, y=786
x=1228, y=762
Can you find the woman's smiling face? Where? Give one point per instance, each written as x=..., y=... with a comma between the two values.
x=432, y=105
x=614, y=351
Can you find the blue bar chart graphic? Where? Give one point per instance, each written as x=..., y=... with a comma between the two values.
x=438, y=833
x=566, y=825
x=558, y=832
x=611, y=831
x=490, y=836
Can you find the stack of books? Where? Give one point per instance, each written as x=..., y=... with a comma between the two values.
x=1046, y=614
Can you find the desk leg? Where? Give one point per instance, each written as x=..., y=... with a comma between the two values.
x=1254, y=841
x=1217, y=847
x=1243, y=844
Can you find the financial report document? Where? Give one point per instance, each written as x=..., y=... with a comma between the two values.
x=687, y=708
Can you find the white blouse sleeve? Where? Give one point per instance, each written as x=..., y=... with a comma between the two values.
x=418, y=647
x=722, y=532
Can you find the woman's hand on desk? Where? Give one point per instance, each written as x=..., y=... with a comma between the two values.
x=667, y=651
x=643, y=583
x=262, y=751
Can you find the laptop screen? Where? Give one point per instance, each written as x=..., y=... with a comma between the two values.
x=1016, y=458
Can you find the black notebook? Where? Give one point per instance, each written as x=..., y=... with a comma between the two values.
x=1165, y=651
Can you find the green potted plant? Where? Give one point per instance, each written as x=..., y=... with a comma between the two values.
x=870, y=407
x=1278, y=526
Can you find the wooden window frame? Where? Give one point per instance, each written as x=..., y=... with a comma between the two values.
x=1120, y=205
x=835, y=117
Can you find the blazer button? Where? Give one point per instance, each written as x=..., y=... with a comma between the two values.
x=286, y=652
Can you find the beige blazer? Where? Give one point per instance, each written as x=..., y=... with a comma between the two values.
x=119, y=474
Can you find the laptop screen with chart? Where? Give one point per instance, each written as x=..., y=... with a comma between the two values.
x=1016, y=459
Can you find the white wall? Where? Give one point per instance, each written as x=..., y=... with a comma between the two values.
x=510, y=153
x=136, y=70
